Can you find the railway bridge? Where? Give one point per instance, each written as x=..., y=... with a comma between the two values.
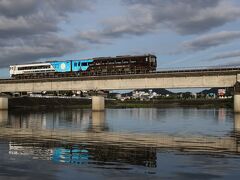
x=188, y=78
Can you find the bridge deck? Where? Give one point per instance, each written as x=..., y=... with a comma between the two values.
x=200, y=78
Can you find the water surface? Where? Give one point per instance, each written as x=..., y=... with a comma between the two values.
x=172, y=143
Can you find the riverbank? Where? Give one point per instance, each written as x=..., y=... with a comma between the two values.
x=53, y=103
x=201, y=103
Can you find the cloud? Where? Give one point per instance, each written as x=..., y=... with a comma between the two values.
x=187, y=16
x=117, y=28
x=210, y=40
x=225, y=55
x=21, y=27
x=43, y=46
x=181, y=16
x=29, y=17
x=30, y=29
x=14, y=8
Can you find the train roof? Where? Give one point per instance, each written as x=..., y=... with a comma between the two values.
x=43, y=62
x=95, y=58
x=123, y=56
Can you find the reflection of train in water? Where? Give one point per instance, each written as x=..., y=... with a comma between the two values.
x=86, y=67
x=96, y=153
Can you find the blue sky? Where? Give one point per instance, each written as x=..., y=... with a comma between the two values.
x=181, y=33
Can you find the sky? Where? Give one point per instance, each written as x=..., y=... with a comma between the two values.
x=181, y=33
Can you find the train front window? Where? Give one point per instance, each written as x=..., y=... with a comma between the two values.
x=152, y=60
x=84, y=64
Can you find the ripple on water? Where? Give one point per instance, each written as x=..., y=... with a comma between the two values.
x=153, y=142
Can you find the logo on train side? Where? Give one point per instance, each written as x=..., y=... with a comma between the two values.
x=63, y=66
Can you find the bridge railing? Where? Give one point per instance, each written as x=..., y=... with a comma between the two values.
x=182, y=69
x=199, y=68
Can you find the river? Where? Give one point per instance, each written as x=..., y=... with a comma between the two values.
x=163, y=143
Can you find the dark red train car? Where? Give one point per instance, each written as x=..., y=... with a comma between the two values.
x=122, y=65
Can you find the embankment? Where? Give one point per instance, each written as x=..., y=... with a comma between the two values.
x=52, y=103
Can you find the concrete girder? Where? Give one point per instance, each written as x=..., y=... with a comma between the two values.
x=120, y=83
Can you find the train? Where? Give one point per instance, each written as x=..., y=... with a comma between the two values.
x=86, y=67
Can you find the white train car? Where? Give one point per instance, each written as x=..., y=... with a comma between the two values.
x=26, y=69
x=40, y=70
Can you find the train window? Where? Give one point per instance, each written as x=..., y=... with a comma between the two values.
x=75, y=64
x=152, y=59
x=84, y=64
x=78, y=63
x=33, y=67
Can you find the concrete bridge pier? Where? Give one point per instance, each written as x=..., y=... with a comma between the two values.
x=237, y=98
x=3, y=103
x=98, y=103
x=237, y=103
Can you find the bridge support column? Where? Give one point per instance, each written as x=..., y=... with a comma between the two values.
x=98, y=103
x=237, y=103
x=237, y=98
x=3, y=103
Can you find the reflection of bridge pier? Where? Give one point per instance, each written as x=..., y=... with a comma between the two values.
x=98, y=123
x=3, y=117
x=3, y=103
x=237, y=130
x=93, y=127
x=237, y=122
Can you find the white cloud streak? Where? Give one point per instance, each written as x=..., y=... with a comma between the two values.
x=210, y=40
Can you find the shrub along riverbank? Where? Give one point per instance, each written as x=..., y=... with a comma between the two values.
x=204, y=103
x=36, y=103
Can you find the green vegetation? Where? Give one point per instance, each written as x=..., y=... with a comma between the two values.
x=53, y=103
x=205, y=103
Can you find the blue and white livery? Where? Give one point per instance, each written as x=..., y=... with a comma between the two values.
x=53, y=66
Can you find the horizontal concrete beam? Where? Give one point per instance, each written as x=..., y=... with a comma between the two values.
x=206, y=81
